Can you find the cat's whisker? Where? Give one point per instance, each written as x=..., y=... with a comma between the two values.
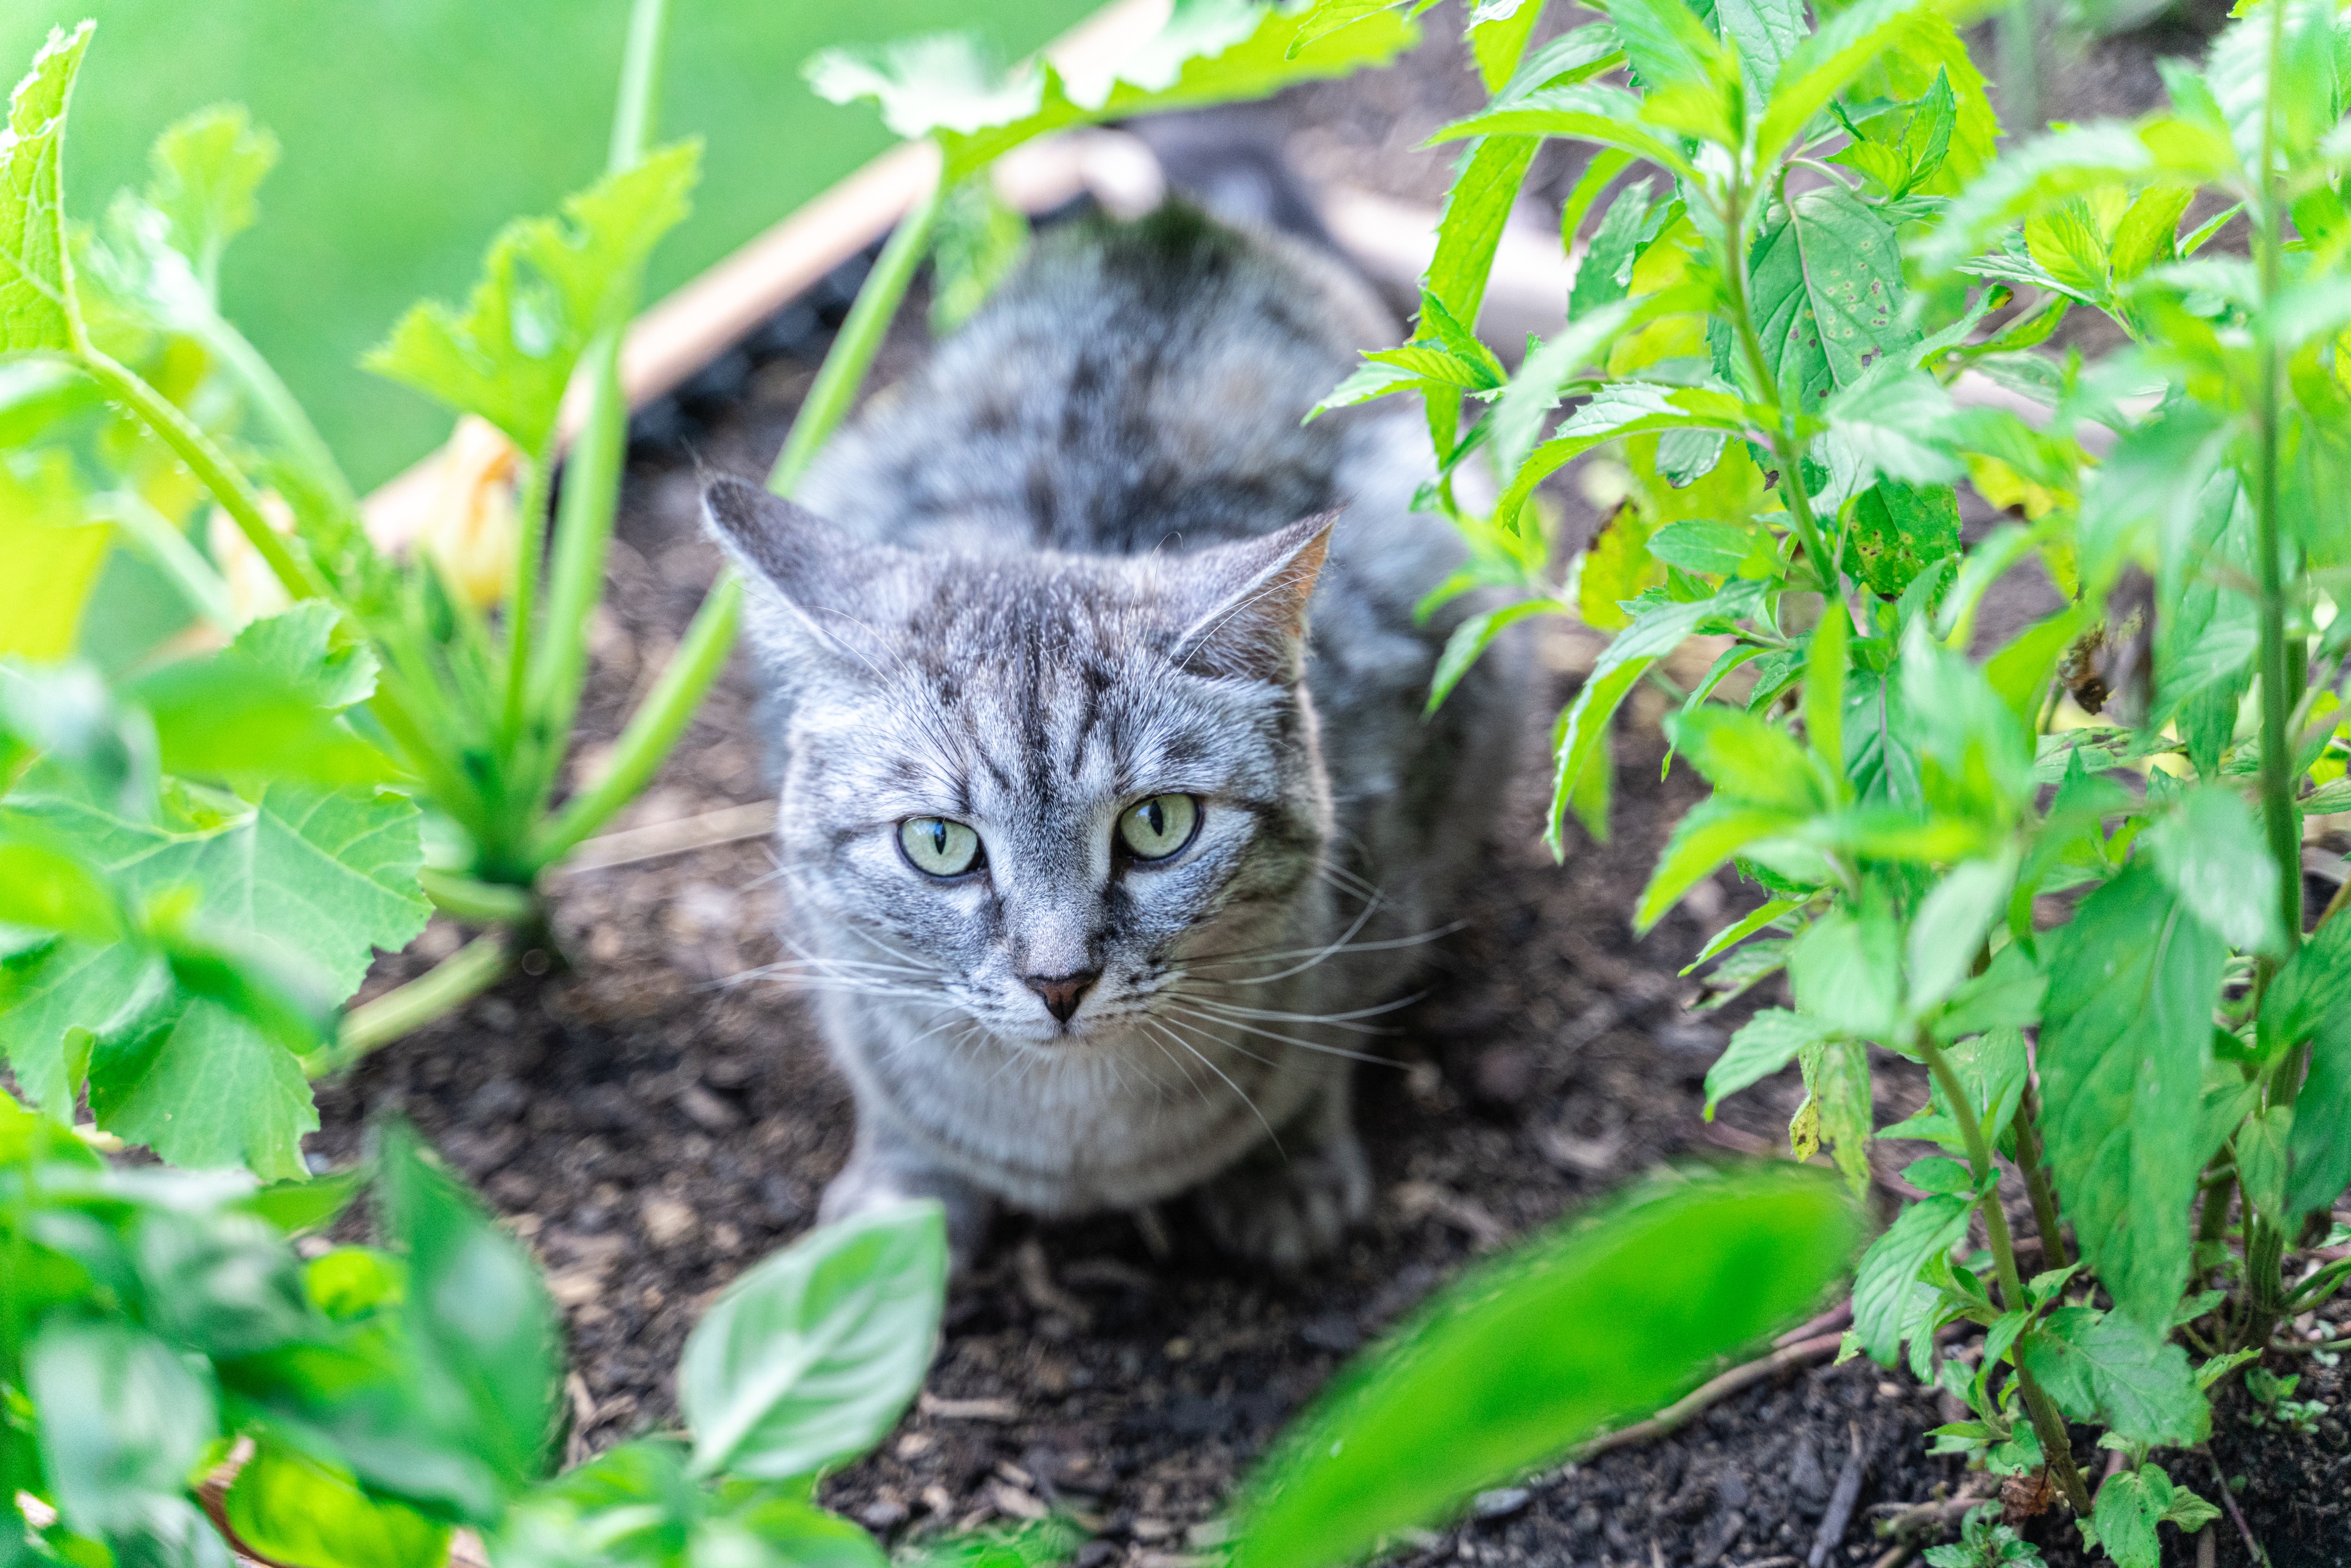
x=1335, y=1021
x=1265, y=1033
x=1270, y=1136
x=1385, y=945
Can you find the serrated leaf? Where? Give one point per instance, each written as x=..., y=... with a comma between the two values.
x=204, y=1088
x=1715, y=550
x=1846, y=45
x=35, y=260
x=1469, y=231
x=2043, y=174
x=2104, y=1365
x=1950, y=927
x=1652, y=635
x=2132, y=983
x=1847, y=969
x=2319, y=1151
x=1764, y=1045
x=548, y=286
x=2146, y=237
x=1899, y=530
x=1888, y=1297
x=806, y=1360
x=1827, y=296
x=1587, y=111
x=1470, y=638
x=1714, y=831
x=1602, y=276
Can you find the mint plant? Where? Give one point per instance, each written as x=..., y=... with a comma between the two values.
x=2082, y=915
x=154, y=1324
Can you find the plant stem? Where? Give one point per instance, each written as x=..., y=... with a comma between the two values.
x=531, y=544
x=2019, y=67
x=834, y=391
x=655, y=728
x=1784, y=445
x=2048, y=1423
x=279, y=405
x=640, y=70
x=439, y=991
x=481, y=902
x=211, y=468
x=2277, y=684
x=155, y=535
x=2037, y=1180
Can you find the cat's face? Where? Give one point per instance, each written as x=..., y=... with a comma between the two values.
x=1027, y=789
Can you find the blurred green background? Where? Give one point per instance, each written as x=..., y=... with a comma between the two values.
x=412, y=129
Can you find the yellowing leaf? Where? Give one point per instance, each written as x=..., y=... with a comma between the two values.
x=49, y=556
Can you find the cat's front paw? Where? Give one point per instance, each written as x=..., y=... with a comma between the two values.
x=1290, y=1211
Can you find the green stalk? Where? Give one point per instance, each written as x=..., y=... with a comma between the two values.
x=2020, y=65
x=212, y=468
x=2037, y=1180
x=439, y=991
x=583, y=532
x=834, y=391
x=1783, y=443
x=156, y=536
x=592, y=480
x=530, y=543
x=480, y=902
x=2048, y=1423
x=279, y=405
x=2264, y=1244
x=653, y=728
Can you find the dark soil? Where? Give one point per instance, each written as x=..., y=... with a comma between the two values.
x=655, y=1116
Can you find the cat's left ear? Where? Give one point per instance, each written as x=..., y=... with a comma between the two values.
x=1253, y=594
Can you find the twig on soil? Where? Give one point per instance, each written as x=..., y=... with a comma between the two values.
x=1708, y=1394
x=2229, y=1499
x=629, y=846
x=1896, y=1556
x=1036, y=1283
x=1909, y=1519
x=1841, y=1502
x=1837, y=1317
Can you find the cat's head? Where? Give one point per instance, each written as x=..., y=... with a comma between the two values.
x=1024, y=786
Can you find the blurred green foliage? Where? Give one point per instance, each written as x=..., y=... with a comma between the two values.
x=414, y=130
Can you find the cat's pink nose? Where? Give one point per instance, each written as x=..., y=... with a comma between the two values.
x=1063, y=992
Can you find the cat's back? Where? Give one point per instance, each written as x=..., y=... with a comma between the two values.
x=1135, y=386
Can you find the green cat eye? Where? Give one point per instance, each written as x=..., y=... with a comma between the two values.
x=938, y=847
x=1160, y=826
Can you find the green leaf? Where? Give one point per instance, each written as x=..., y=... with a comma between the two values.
x=1846, y=970
x=1837, y=1107
x=548, y=287
x=806, y=1360
x=1470, y=230
x=1713, y=548
x=1665, y=42
x=1653, y=634
x=1846, y=45
x=2261, y=1144
x=1766, y=1043
x=1587, y=111
x=2132, y=983
x=299, y=1510
x=1827, y=295
x=2104, y=1366
x=2043, y=174
x=1605, y=1317
x=2145, y=236
x=315, y=648
x=204, y=1088
x=1470, y=638
x=2279, y=97
x=1739, y=930
x=124, y=1422
x=206, y=170
x=1766, y=32
x=1888, y=1297
x=1602, y=276
x=54, y=550
x=1714, y=831
x=2319, y=1151
x=1208, y=52
x=2210, y=855
x=482, y=1326
x=1621, y=409
x=980, y=238
x=1950, y=928
x=37, y=309
x=1898, y=530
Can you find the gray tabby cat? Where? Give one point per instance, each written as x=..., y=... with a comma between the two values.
x=1096, y=859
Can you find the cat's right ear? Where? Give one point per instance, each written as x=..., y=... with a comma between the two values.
x=829, y=584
